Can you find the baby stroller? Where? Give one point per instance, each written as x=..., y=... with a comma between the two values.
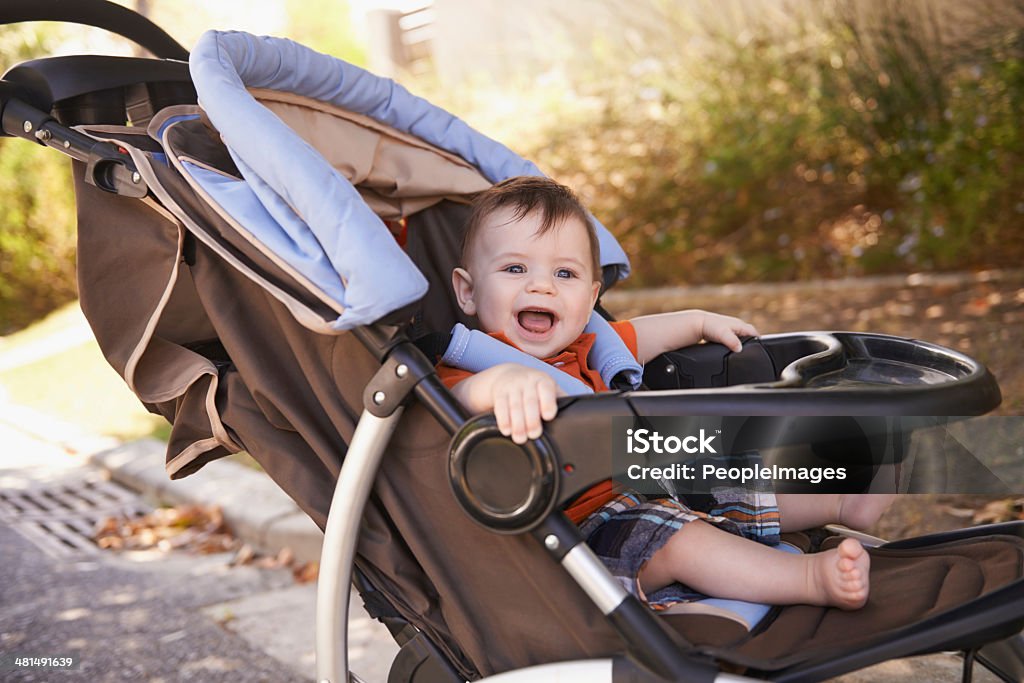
x=247, y=291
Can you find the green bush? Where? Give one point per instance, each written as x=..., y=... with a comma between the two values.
x=937, y=120
x=37, y=233
x=829, y=141
x=37, y=224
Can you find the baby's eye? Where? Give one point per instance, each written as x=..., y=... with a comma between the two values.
x=515, y=268
x=565, y=273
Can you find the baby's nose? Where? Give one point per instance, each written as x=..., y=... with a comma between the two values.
x=541, y=282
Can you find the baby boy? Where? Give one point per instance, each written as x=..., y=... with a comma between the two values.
x=530, y=274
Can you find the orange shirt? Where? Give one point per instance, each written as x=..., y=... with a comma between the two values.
x=572, y=361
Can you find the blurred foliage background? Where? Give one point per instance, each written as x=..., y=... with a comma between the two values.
x=37, y=226
x=802, y=140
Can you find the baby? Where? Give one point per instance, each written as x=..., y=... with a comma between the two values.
x=531, y=276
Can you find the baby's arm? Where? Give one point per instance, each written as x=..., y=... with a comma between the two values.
x=656, y=334
x=520, y=397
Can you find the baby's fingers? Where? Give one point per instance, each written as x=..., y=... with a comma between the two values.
x=724, y=335
x=532, y=412
x=517, y=416
x=547, y=393
x=730, y=340
x=521, y=406
x=501, y=413
x=746, y=330
x=741, y=329
x=727, y=331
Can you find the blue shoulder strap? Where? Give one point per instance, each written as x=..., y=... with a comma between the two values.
x=474, y=351
x=609, y=356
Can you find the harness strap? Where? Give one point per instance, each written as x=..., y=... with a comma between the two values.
x=474, y=351
x=610, y=356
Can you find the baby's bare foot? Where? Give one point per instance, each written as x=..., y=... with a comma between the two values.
x=860, y=511
x=839, y=578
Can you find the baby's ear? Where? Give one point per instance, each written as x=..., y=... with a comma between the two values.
x=596, y=291
x=462, y=283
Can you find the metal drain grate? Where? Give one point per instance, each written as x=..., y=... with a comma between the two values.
x=62, y=518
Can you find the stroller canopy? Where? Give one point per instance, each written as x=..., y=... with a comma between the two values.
x=300, y=206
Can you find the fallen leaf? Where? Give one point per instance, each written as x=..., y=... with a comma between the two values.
x=977, y=307
x=1000, y=511
x=306, y=573
x=244, y=555
x=285, y=557
x=197, y=528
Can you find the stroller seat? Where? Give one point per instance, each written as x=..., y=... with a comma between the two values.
x=241, y=348
x=911, y=588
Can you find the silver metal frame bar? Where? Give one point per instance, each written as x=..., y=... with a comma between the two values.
x=594, y=578
x=338, y=555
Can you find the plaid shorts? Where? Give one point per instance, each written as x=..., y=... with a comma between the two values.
x=626, y=531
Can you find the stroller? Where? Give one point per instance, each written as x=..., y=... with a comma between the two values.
x=250, y=293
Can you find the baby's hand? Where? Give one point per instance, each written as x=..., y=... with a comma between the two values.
x=523, y=398
x=520, y=397
x=725, y=330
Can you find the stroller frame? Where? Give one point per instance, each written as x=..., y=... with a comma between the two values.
x=654, y=653
x=404, y=372
x=657, y=656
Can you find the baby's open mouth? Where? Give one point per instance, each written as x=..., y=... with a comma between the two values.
x=536, y=321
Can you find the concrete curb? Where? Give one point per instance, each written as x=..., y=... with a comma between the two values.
x=624, y=298
x=256, y=509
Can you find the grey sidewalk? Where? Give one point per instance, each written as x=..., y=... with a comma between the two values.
x=256, y=509
x=275, y=615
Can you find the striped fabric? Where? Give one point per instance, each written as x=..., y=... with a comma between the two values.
x=626, y=531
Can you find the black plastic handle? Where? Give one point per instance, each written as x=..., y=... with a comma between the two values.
x=101, y=14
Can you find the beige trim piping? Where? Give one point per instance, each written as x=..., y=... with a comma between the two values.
x=154, y=318
x=306, y=317
x=248, y=236
x=207, y=167
x=151, y=203
x=194, y=450
x=217, y=427
x=147, y=335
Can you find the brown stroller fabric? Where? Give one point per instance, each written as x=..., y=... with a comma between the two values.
x=907, y=586
x=232, y=366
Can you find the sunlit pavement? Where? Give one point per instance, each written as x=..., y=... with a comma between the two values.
x=143, y=615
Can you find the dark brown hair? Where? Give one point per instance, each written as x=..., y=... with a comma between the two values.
x=526, y=194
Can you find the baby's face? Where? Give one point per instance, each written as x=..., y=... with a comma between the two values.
x=538, y=290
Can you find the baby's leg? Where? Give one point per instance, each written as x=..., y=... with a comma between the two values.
x=724, y=565
x=799, y=511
